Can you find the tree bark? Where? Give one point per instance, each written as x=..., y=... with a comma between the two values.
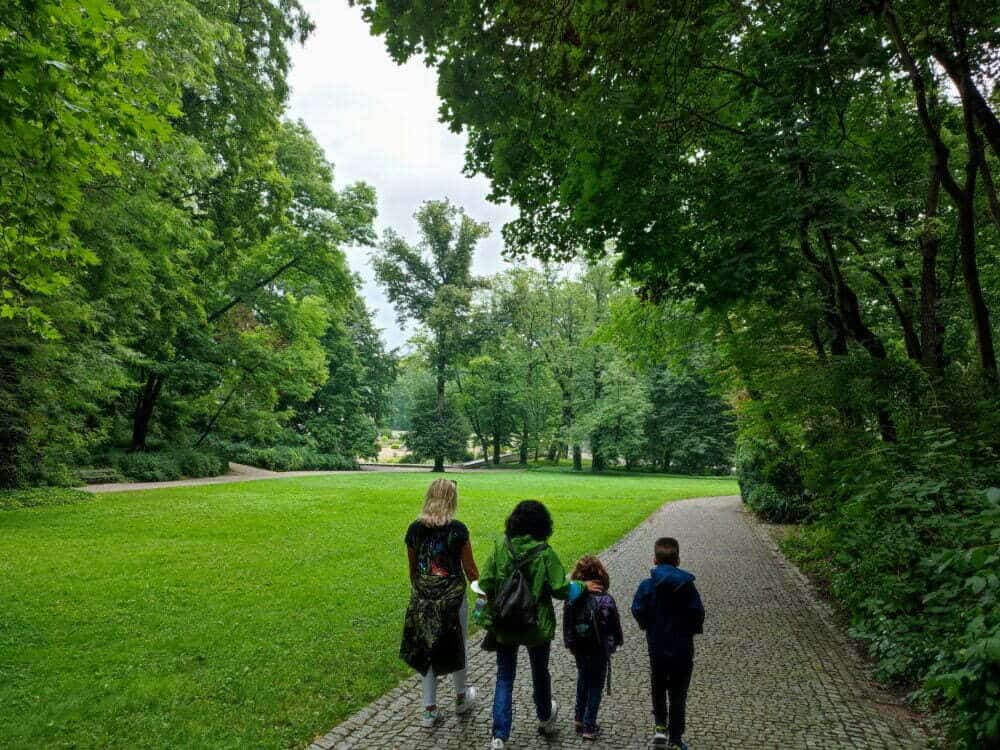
x=439, y=412
x=577, y=458
x=931, y=328
x=143, y=415
x=963, y=197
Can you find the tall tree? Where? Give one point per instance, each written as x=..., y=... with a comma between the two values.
x=432, y=284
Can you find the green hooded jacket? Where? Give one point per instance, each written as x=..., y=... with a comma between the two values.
x=547, y=579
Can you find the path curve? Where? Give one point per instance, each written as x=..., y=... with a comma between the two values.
x=771, y=670
x=243, y=473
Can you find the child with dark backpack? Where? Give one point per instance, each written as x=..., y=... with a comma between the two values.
x=592, y=631
x=668, y=607
x=519, y=581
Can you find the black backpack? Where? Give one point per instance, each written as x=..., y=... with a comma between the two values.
x=583, y=621
x=514, y=606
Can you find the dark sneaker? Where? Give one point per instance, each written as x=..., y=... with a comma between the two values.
x=591, y=733
x=679, y=745
x=549, y=727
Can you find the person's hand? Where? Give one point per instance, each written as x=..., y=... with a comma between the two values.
x=595, y=587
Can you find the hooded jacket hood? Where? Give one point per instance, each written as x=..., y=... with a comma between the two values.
x=670, y=577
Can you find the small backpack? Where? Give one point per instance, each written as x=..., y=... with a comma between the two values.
x=586, y=630
x=514, y=606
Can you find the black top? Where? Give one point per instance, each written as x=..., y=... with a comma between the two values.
x=438, y=548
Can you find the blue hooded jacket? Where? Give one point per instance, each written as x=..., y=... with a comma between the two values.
x=668, y=607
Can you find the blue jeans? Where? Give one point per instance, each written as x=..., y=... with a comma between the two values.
x=591, y=671
x=503, y=696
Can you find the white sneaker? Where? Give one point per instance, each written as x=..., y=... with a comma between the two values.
x=548, y=726
x=470, y=700
x=496, y=744
x=659, y=738
x=430, y=719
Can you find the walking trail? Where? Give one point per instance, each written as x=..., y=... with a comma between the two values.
x=771, y=671
x=243, y=473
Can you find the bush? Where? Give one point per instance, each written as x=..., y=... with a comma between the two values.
x=771, y=482
x=774, y=506
x=201, y=463
x=909, y=546
x=287, y=458
x=150, y=467
x=38, y=497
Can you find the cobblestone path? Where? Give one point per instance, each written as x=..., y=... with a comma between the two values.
x=770, y=671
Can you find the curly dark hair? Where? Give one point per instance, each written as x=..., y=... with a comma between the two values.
x=530, y=518
x=589, y=568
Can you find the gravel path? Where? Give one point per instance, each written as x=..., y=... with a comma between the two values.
x=771, y=671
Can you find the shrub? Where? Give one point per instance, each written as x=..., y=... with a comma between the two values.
x=909, y=545
x=771, y=482
x=37, y=497
x=775, y=506
x=287, y=458
x=201, y=463
x=150, y=467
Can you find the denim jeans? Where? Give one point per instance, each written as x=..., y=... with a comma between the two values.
x=591, y=672
x=503, y=696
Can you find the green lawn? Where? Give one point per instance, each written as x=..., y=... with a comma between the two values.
x=244, y=615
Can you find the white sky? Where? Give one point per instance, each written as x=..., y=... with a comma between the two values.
x=378, y=122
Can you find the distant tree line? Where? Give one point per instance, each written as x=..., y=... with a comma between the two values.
x=523, y=361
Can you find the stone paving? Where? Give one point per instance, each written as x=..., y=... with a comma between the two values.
x=771, y=670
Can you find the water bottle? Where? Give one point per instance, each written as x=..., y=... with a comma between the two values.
x=479, y=610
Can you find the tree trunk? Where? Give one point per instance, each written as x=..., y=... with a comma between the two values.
x=522, y=457
x=144, y=411
x=554, y=451
x=13, y=420
x=439, y=457
x=577, y=458
x=496, y=448
x=931, y=328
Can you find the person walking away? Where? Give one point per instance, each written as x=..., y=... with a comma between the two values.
x=520, y=580
x=668, y=607
x=592, y=631
x=435, y=629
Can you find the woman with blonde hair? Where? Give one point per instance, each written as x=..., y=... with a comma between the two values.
x=436, y=625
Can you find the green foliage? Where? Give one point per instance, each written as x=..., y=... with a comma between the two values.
x=437, y=433
x=908, y=544
x=168, y=464
x=771, y=482
x=40, y=497
x=288, y=458
x=432, y=284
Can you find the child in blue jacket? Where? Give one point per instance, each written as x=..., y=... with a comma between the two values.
x=668, y=607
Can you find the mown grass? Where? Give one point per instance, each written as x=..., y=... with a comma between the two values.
x=255, y=614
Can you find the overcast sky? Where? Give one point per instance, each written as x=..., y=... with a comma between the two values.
x=378, y=122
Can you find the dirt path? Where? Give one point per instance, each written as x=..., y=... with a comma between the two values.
x=771, y=670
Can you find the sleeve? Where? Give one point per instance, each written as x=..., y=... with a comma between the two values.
x=555, y=577
x=567, y=627
x=411, y=533
x=461, y=533
x=642, y=604
x=696, y=612
x=488, y=575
